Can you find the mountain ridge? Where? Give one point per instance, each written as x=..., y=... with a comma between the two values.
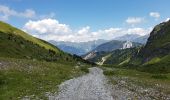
x=133, y=37
x=78, y=48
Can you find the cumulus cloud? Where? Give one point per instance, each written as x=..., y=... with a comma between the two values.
x=84, y=30
x=46, y=26
x=52, y=29
x=156, y=15
x=134, y=20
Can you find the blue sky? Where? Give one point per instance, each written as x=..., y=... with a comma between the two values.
x=104, y=19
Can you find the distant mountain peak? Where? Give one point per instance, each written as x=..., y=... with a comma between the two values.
x=127, y=37
x=78, y=48
x=133, y=37
x=127, y=44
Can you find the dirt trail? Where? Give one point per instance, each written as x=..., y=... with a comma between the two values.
x=95, y=86
x=92, y=86
x=103, y=59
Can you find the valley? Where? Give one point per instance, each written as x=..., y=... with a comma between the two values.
x=107, y=72
x=84, y=50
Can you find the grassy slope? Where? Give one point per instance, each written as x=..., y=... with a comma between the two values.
x=157, y=65
x=8, y=29
x=24, y=70
x=115, y=57
x=20, y=78
x=157, y=81
x=119, y=57
x=15, y=43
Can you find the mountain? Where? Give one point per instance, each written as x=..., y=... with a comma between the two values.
x=115, y=44
x=134, y=38
x=115, y=57
x=127, y=37
x=107, y=48
x=78, y=48
x=71, y=50
x=141, y=39
x=155, y=55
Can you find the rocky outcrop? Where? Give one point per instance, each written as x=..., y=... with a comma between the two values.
x=90, y=55
x=127, y=44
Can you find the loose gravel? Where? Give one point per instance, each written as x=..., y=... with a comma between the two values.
x=92, y=86
x=95, y=86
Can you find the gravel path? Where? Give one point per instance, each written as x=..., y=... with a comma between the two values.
x=95, y=86
x=92, y=86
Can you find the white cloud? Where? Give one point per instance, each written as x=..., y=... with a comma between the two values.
x=28, y=13
x=139, y=31
x=84, y=30
x=155, y=14
x=46, y=26
x=51, y=29
x=7, y=12
x=112, y=30
x=134, y=20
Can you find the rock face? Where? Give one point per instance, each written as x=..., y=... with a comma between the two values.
x=127, y=44
x=90, y=55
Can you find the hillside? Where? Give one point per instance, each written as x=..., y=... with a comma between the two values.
x=9, y=30
x=134, y=38
x=115, y=57
x=113, y=45
x=154, y=56
x=120, y=57
x=106, y=48
x=15, y=43
x=31, y=68
x=158, y=44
